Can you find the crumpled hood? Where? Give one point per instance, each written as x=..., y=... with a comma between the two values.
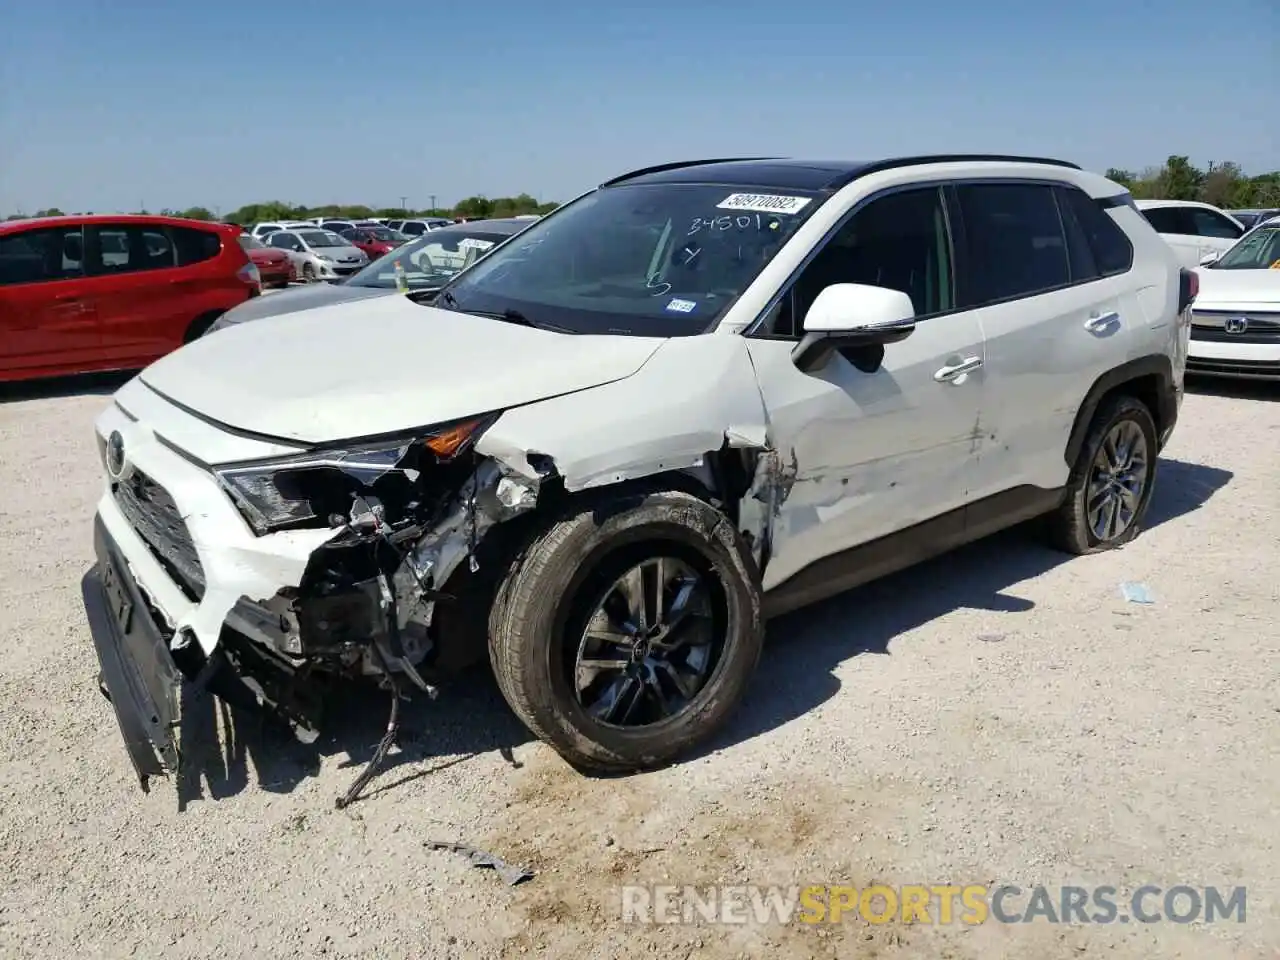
x=381, y=366
x=299, y=298
x=1253, y=289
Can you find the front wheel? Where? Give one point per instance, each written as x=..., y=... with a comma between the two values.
x=308, y=273
x=1111, y=482
x=626, y=633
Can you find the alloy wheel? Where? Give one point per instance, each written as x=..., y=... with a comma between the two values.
x=1117, y=481
x=650, y=645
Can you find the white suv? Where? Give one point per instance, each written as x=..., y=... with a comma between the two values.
x=1196, y=231
x=695, y=397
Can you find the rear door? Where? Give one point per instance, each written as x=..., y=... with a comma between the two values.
x=131, y=270
x=46, y=320
x=1053, y=320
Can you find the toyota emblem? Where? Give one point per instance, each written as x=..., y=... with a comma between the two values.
x=1236, y=324
x=115, y=455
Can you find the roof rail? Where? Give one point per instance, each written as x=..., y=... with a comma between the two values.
x=895, y=162
x=676, y=165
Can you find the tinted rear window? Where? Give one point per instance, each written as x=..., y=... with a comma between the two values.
x=1110, y=246
x=195, y=246
x=1014, y=239
x=1167, y=219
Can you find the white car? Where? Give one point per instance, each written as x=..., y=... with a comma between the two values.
x=1194, y=230
x=1235, y=327
x=691, y=399
x=318, y=254
x=263, y=230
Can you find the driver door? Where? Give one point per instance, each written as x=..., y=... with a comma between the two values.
x=870, y=454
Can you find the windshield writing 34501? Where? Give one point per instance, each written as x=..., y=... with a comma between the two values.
x=753, y=221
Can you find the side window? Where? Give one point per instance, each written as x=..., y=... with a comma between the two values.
x=899, y=241
x=159, y=249
x=36, y=256
x=1109, y=244
x=127, y=248
x=1014, y=242
x=1167, y=219
x=113, y=249
x=1210, y=223
x=195, y=246
x=279, y=240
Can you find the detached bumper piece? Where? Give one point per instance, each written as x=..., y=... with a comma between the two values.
x=138, y=673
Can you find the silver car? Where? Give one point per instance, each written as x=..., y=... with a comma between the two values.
x=318, y=254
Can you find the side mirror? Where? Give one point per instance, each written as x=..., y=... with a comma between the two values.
x=1210, y=258
x=856, y=320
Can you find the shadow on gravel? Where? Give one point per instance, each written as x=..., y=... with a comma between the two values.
x=1233, y=389
x=85, y=384
x=802, y=649
x=225, y=748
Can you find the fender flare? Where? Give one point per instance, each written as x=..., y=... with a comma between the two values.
x=1156, y=365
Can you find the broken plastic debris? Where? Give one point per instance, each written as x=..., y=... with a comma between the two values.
x=479, y=858
x=1136, y=592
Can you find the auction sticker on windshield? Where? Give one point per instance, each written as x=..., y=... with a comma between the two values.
x=471, y=243
x=763, y=203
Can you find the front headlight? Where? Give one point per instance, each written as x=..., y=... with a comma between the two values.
x=306, y=491
x=324, y=258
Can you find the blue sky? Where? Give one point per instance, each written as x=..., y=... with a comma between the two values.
x=106, y=105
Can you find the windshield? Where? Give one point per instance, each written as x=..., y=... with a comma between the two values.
x=322, y=238
x=381, y=234
x=251, y=243
x=430, y=261
x=644, y=259
x=1258, y=250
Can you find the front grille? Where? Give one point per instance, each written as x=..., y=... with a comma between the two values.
x=1248, y=369
x=155, y=517
x=1215, y=326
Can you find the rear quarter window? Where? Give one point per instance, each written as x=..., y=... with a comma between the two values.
x=195, y=246
x=1109, y=244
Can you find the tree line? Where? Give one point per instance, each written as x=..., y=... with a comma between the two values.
x=1222, y=184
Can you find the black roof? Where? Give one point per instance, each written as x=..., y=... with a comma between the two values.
x=796, y=174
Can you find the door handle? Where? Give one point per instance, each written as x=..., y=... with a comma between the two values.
x=1097, y=324
x=947, y=374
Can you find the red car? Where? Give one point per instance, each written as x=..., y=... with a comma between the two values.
x=374, y=240
x=86, y=293
x=274, y=266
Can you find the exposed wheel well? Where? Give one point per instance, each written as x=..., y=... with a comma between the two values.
x=1147, y=389
x=200, y=324
x=1147, y=379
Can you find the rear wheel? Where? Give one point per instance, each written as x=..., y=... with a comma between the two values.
x=626, y=633
x=1111, y=483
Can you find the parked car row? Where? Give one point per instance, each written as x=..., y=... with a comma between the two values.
x=419, y=268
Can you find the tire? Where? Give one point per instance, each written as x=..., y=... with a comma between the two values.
x=543, y=604
x=1071, y=527
x=308, y=273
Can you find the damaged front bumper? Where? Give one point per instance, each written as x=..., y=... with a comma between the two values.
x=138, y=674
x=183, y=587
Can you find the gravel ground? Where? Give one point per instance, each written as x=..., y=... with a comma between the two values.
x=1000, y=715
